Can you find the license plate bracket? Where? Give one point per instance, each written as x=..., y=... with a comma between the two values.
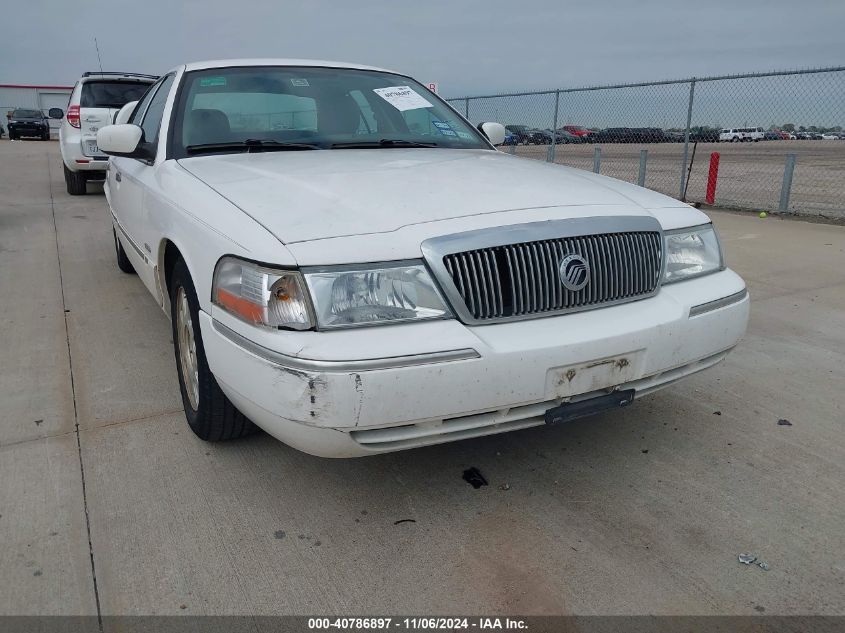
x=569, y=411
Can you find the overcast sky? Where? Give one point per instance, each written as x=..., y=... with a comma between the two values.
x=469, y=46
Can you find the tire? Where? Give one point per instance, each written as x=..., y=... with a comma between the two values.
x=75, y=182
x=210, y=414
x=122, y=260
x=45, y=136
x=735, y=139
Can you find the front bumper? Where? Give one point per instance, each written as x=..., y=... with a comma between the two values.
x=22, y=129
x=465, y=381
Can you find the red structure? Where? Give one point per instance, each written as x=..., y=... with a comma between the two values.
x=712, y=177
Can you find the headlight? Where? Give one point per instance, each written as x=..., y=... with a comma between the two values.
x=692, y=252
x=262, y=296
x=372, y=294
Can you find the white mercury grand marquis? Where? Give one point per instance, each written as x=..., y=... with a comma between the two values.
x=352, y=266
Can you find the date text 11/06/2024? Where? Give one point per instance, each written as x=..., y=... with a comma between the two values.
x=417, y=623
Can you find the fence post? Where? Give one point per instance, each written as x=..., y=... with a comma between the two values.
x=512, y=149
x=466, y=108
x=686, y=139
x=643, y=160
x=712, y=178
x=552, y=146
x=786, y=187
x=597, y=160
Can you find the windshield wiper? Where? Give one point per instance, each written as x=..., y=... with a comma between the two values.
x=249, y=145
x=385, y=142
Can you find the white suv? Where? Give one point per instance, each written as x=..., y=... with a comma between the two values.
x=737, y=134
x=96, y=97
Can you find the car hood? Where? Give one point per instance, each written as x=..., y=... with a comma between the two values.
x=306, y=195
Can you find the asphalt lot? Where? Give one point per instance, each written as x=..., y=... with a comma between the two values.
x=639, y=512
x=750, y=174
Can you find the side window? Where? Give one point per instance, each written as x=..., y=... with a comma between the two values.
x=138, y=112
x=152, y=117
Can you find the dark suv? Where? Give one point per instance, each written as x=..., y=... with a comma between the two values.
x=29, y=123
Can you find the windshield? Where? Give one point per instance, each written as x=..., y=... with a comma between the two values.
x=26, y=114
x=325, y=108
x=111, y=94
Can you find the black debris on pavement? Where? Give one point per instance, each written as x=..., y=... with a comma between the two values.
x=474, y=478
x=404, y=521
x=783, y=422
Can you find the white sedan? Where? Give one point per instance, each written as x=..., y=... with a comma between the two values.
x=352, y=266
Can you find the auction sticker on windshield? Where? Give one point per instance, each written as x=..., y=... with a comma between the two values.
x=207, y=82
x=444, y=128
x=402, y=98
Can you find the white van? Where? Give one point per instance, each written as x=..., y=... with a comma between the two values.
x=735, y=135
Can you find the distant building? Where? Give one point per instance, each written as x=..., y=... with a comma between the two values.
x=34, y=97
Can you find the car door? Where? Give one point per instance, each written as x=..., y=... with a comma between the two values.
x=130, y=177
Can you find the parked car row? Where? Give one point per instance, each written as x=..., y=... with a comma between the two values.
x=820, y=136
x=525, y=135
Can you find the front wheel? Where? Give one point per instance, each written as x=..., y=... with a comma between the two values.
x=122, y=260
x=211, y=416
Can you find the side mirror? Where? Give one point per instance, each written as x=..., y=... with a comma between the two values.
x=123, y=140
x=495, y=132
x=55, y=113
x=122, y=115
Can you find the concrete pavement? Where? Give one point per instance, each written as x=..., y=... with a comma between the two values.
x=639, y=512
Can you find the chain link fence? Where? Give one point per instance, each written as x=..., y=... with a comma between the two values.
x=779, y=137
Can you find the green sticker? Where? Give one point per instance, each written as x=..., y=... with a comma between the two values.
x=206, y=82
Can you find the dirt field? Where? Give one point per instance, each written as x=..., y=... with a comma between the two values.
x=750, y=174
x=110, y=505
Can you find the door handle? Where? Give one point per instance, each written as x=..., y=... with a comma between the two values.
x=117, y=176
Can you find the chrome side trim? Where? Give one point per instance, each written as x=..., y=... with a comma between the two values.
x=366, y=364
x=132, y=243
x=718, y=303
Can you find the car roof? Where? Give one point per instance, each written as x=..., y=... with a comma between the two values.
x=117, y=76
x=229, y=63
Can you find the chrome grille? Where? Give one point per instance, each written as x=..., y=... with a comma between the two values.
x=521, y=279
